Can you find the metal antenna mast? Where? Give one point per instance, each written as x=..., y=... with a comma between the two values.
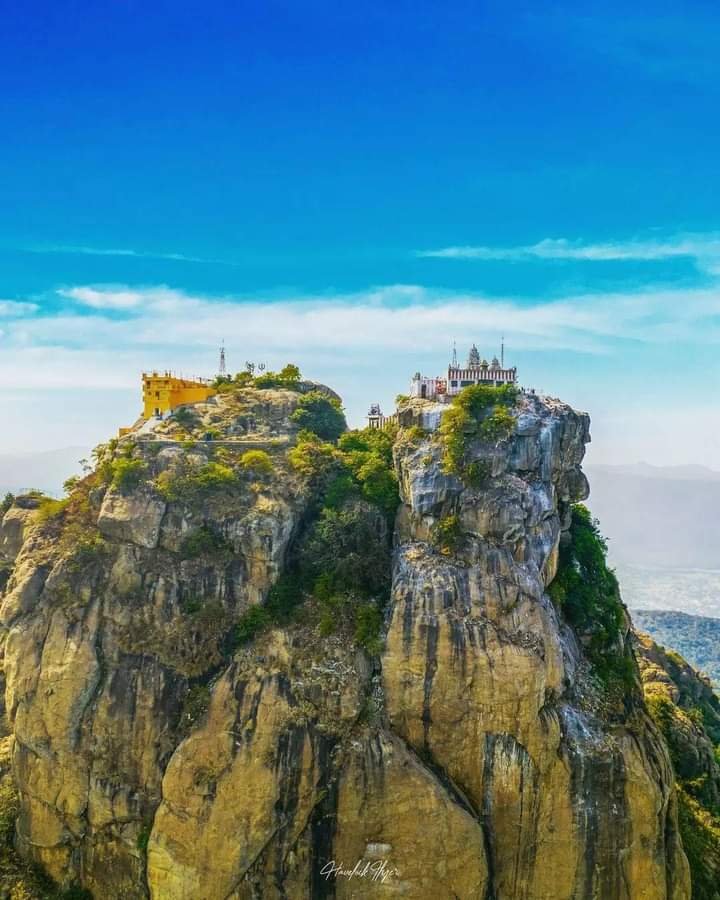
x=454, y=356
x=223, y=368
x=502, y=352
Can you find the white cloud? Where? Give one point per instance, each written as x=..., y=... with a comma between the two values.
x=391, y=319
x=703, y=248
x=103, y=299
x=588, y=348
x=10, y=308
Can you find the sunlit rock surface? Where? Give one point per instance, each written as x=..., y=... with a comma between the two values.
x=469, y=760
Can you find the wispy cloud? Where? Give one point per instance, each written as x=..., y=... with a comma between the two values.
x=391, y=319
x=703, y=248
x=365, y=344
x=72, y=250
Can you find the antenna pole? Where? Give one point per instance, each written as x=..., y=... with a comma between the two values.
x=223, y=368
x=502, y=352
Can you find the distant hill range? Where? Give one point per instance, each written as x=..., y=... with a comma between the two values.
x=697, y=638
x=45, y=471
x=663, y=531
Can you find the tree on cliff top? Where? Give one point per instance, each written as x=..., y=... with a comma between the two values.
x=320, y=414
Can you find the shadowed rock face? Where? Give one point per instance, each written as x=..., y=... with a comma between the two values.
x=470, y=760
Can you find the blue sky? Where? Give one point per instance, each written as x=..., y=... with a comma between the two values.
x=354, y=186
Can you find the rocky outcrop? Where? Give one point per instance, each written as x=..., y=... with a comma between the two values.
x=473, y=758
x=489, y=687
x=14, y=525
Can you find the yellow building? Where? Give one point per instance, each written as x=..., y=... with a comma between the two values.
x=163, y=392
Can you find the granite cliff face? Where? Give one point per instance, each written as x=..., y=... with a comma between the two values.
x=476, y=756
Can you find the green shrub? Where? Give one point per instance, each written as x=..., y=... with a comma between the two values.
x=499, y=424
x=312, y=457
x=478, y=411
x=477, y=473
x=185, y=417
x=368, y=456
x=190, y=485
x=6, y=568
x=700, y=833
x=74, y=892
x=49, y=509
x=347, y=547
x=69, y=485
x=379, y=484
x=191, y=606
x=368, y=627
x=284, y=596
x=289, y=374
x=127, y=474
x=288, y=378
x=339, y=490
x=204, y=541
x=251, y=623
x=321, y=415
x=587, y=592
x=447, y=535
x=6, y=502
x=414, y=434
x=143, y=839
x=87, y=549
x=256, y=462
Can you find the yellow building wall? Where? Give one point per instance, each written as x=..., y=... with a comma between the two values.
x=162, y=393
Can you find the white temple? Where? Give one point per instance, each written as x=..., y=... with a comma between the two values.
x=477, y=371
x=443, y=388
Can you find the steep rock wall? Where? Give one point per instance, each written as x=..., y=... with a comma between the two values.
x=472, y=759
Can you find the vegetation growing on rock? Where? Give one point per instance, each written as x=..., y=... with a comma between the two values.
x=587, y=592
x=188, y=483
x=320, y=414
x=256, y=462
x=478, y=412
x=6, y=503
x=687, y=712
x=203, y=541
x=342, y=562
x=447, y=534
